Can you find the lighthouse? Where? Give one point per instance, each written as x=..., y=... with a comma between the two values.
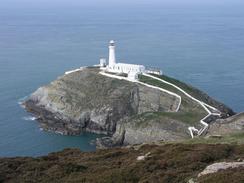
x=112, y=59
x=130, y=70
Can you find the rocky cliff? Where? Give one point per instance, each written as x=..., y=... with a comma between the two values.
x=129, y=113
x=231, y=125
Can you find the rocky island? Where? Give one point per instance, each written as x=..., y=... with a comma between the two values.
x=127, y=112
x=156, y=129
x=129, y=103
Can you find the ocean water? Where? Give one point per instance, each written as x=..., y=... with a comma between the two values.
x=201, y=44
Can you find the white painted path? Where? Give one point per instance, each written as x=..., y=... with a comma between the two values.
x=75, y=70
x=203, y=104
x=150, y=86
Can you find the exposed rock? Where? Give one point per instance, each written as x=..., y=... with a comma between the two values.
x=146, y=130
x=141, y=158
x=220, y=166
x=88, y=101
x=233, y=124
x=140, y=129
x=191, y=181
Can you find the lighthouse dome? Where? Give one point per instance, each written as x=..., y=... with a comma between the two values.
x=112, y=43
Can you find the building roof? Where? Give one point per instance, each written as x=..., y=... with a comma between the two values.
x=112, y=42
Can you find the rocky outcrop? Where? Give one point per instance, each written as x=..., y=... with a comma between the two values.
x=233, y=124
x=88, y=101
x=220, y=166
x=146, y=130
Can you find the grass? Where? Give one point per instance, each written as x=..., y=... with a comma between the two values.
x=190, y=111
x=188, y=102
x=154, y=82
x=235, y=138
x=189, y=118
x=186, y=87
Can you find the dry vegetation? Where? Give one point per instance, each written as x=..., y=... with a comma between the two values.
x=166, y=163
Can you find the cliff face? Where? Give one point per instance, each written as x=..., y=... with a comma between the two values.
x=86, y=100
x=231, y=125
x=145, y=128
x=133, y=113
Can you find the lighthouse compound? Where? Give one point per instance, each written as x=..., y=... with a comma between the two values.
x=132, y=70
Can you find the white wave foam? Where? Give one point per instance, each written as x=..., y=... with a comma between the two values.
x=21, y=100
x=29, y=118
x=59, y=133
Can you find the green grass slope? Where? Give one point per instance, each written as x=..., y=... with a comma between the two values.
x=196, y=93
x=190, y=111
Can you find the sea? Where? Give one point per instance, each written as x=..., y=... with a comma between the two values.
x=198, y=42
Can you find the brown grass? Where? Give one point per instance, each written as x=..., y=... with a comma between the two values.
x=167, y=163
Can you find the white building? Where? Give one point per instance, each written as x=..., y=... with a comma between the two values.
x=154, y=71
x=131, y=69
x=102, y=62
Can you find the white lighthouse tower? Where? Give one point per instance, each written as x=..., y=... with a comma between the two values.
x=112, y=59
